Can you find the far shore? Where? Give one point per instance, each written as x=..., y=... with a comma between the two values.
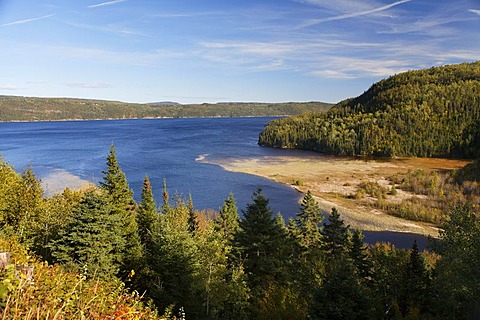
x=331, y=178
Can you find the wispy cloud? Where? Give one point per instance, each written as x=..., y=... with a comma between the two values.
x=27, y=20
x=88, y=85
x=107, y=3
x=11, y=87
x=474, y=11
x=312, y=22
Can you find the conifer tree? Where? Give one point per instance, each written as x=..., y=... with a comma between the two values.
x=262, y=244
x=192, y=216
x=308, y=222
x=336, y=235
x=360, y=257
x=227, y=222
x=93, y=240
x=121, y=198
x=147, y=214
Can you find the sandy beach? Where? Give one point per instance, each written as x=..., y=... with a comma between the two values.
x=332, y=178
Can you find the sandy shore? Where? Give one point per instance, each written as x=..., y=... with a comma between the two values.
x=57, y=180
x=332, y=178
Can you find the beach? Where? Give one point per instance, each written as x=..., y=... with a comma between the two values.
x=332, y=179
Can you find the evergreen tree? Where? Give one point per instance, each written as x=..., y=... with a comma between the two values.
x=263, y=247
x=121, y=198
x=308, y=222
x=360, y=257
x=335, y=235
x=93, y=240
x=147, y=215
x=192, y=217
x=227, y=222
x=166, y=198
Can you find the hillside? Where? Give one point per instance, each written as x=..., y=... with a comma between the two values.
x=433, y=112
x=13, y=108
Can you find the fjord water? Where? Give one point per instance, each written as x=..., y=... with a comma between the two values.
x=162, y=149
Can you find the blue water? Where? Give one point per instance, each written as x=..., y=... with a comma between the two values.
x=162, y=149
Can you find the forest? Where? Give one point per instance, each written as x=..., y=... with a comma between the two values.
x=98, y=254
x=13, y=108
x=432, y=112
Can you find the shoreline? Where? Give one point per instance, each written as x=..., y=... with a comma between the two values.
x=331, y=179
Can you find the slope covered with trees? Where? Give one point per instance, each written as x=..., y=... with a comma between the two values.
x=427, y=113
x=208, y=265
x=44, y=109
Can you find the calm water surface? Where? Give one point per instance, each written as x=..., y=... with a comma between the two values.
x=162, y=149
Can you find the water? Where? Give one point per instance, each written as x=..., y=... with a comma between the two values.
x=162, y=149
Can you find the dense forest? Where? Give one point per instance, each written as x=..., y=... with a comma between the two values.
x=102, y=252
x=14, y=108
x=427, y=113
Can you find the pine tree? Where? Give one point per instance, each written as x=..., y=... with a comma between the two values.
x=121, y=198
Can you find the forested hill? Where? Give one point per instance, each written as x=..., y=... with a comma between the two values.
x=432, y=112
x=14, y=108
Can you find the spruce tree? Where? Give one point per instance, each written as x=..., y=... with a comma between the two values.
x=121, y=198
x=262, y=244
x=336, y=235
x=192, y=216
x=147, y=214
x=360, y=257
x=227, y=222
x=308, y=222
x=93, y=241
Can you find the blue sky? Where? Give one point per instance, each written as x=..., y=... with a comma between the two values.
x=197, y=51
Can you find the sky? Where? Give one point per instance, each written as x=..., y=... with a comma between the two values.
x=197, y=51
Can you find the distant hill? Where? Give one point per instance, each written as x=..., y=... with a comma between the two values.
x=432, y=112
x=14, y=108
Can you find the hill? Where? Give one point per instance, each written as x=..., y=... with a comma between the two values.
x=14, y=108
x=432, y=112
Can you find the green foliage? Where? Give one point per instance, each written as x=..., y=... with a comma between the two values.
x=93, y=240
x=40, y=109
x=120, y=197
x=428, y=113
x=336, y=236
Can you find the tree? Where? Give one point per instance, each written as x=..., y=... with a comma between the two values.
x=147, y=217
x=93, y=240
x=336, y=235
x=227, y=222
x=263, y=246
x=360, y=257
x=192, y=216
x=121, y=198
x=308, y=222
x=457, y=271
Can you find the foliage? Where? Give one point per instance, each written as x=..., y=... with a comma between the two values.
x=59, y=294
x=14, y=108
x=428, y=113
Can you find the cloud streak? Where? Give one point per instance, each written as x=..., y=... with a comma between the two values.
x=27, y=20
x=107, y=3
x=88, y=85
x=11, y=87
x=351, y=15
x=475, y=11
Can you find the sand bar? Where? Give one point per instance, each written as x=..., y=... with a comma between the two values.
x=331, y=178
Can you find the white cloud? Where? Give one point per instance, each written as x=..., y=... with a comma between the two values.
x=88, y=85
x=355, y=14
x=332, y=74
x=11, y=87
x=107, y=3
x=474, y=11
x=27, y=20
